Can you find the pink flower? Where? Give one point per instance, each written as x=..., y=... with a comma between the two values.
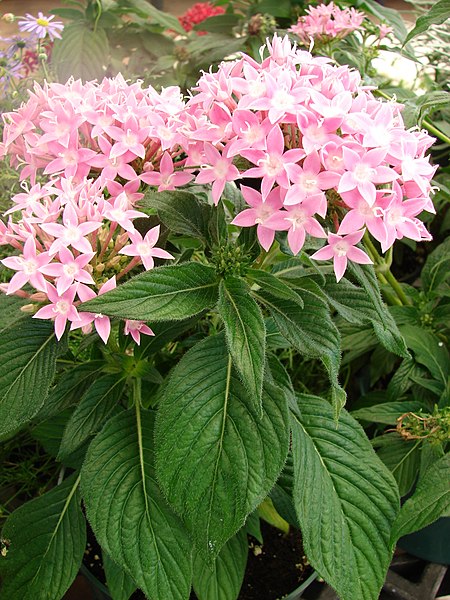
x=298, y=221
x=70, y=269
x=144, y=247
x=218, y=170
x=120, y=213
x=71, y=233
x=60, y=310
x=272, y=162
x=28, y=267
x=135, y=328
x=167, y=178
x=342, y=248
x=259, y=213
x=101, y=322
x=363, y=172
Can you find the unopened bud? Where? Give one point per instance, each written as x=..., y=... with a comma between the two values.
x=38, y=297
x=42, y=56
x=121, y=240
x=8, y=18
x=113, y=262
x=28, y=308
x=100, y=268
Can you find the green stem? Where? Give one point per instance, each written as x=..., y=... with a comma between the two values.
x=435, y=131
x=137, y=397
x=384, y=274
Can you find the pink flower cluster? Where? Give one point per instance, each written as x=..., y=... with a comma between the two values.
x=75, y=234
x=320, y=145
x=197, y=13
x=326, y=22
x=323, y=151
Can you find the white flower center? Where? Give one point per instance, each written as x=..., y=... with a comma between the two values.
x=143, y=249
x=363, y=173
x=70, y=270
x=341, y=248
x=29, y=267
x=62, y=307
x=272, y=165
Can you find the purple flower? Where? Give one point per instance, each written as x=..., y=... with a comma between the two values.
x=41, y=26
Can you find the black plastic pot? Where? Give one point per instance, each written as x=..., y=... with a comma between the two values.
x=430, y=543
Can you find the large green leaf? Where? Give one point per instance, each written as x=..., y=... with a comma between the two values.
x=169, y=293
x=386, y=15
x=437, y=267
x=223, y=579
x=81, y=53
x=69, y=387
x=429, y=351
x=94, y=408
x=10, y=312
x=272, y=284
x=438, y=13
x=401, y=457
x=384, y=325
x=245, y=333
x=120, y=585
x=182, y=212
x=311, y=331
x=387, y=412
x=217, y=458
x=430, y=500
x=162, y=18
x=47, y=540
x=28, y=361
x=345, y=498
x=129, y=516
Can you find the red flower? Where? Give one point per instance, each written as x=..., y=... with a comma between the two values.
x=198, y=13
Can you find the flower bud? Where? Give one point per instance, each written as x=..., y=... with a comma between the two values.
x=28, y=308
x=8, y=18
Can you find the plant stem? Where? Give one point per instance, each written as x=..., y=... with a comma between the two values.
x=384, y=273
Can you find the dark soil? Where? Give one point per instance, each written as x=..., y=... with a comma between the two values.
x=276, y=568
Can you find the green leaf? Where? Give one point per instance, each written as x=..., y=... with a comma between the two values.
x=438, y=13
x=386, y=15
x=218, y=24
x=345, y=498
x=430, y=500
x=277, y=8
x=383, y=324
x=169, y=293
x=10, y=312
x=272, y=284
x=164, y=19
x=401, y=457
x=47, y=540
x=95, y=406
x=70, y=386
x=81, y=53
x=164, y=333
x=181, y=212
x=217, y=458
x=311, y=331
x=28, y=363
x=428, y=350
x=388, y=412
x=437, y=267
x=253, y=526
x=245, y=333
x=269, y=513
x=223, y=579
x=129, y=516
x=120, y=585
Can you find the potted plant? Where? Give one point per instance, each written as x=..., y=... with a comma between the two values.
x=182, y=407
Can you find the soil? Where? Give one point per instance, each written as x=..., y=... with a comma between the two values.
x=274, y=568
